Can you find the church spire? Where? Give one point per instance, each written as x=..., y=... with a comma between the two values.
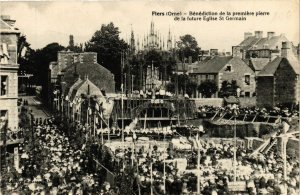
x=132, y=42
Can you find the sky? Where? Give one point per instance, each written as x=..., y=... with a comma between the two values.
x=44, y=22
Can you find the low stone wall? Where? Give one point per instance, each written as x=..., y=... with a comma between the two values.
x=245, y=129
x=247, y=101
x=209, y=101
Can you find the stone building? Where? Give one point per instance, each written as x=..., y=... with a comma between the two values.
x=278, y=83
x=258, y=46
x=219, y=69
x=8, y=73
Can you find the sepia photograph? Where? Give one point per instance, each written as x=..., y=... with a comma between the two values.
x=150, y=97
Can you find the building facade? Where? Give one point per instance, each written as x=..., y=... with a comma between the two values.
x=278, y=83
x=219, y=69
x=8, y=73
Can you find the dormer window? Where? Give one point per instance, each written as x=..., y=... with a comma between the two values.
x=228, y=68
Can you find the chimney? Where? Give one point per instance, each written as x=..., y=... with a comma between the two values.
x=270, y=34
x=258, y=34
x=286, y=49
x=247, y=34
x=6, y=18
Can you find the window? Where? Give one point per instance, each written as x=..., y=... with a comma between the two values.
x=4, y=55
x=247, y=94
x=228, y=68
x=3, y=85
x=247, y=79
x=3, y=118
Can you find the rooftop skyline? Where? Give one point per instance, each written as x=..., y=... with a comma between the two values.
x=47, y=22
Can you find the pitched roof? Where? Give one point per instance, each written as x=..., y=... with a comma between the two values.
x=248, y=42
x=70, y=91
x=270, y=68
x=263, y=43
x=213, y=65
x=97, y=74
x=85, y=87
x=258, y=64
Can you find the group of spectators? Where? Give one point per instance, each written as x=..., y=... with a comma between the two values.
x=247, y=112
x=262, y=174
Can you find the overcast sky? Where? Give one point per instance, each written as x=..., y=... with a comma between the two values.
x=47, y=22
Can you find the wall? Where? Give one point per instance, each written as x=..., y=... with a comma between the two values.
x=264, y=91
x=247, y=101
x=11, y=41
x=285, y=83
x=239, y=70
x=9, y=101
x=209, y=102
x=215, y=129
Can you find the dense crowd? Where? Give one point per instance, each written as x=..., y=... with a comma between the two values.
x=262, y=174
x=261, y=114
x=60, y=159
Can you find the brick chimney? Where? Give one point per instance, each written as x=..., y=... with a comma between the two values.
x=270, y=35
x=286, y=49
x=247, y=34
x=6, y=18
x=258, y=34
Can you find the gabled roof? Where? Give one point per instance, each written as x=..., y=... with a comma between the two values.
x=258, y=64
x=86, y=87
x=273, y=43
x=248, y=42
x=98, y=74
x=4, y=25
x=213, y=65
x=77, y=82
x=270, y=68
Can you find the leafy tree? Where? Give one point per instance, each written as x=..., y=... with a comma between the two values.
x=108, y=45
x=42, y=58
x=228, y=88
x=185, y=84
x=188, y=46
x=208, y=88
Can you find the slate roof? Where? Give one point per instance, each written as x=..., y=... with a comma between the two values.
x=96, y=73
x=213, y=65
x=70, y=91
x=273, y=43
x=258, y=64
x=85, y=87
x=271, y=67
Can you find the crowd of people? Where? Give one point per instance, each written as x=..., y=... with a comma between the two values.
x=60, y=159
x=260, y=114
x=262, y=174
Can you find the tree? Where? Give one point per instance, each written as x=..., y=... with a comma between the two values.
x=42, y=58
x=208, y=88
x=188, y=46
x=108, y=46
x=228, y=88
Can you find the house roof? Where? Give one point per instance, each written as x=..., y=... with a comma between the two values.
x=85, y=87
x=258, y=64
x=271, y=67
x=213, y=65
x=77, y=82
x=96, y=73
x=253, y=43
